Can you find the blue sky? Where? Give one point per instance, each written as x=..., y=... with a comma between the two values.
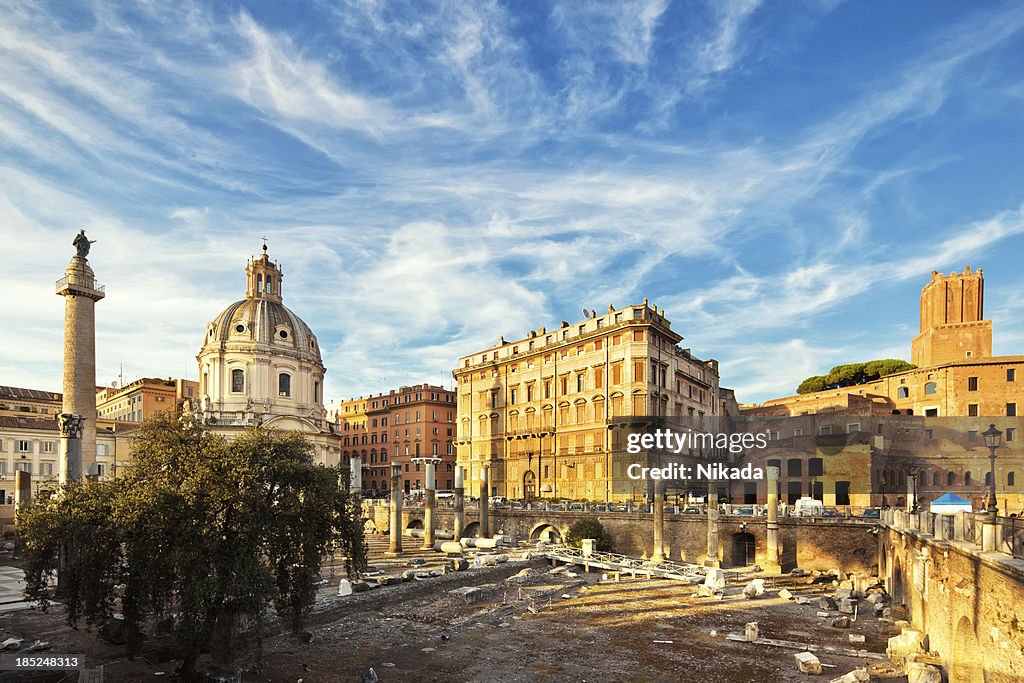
x=781, y=178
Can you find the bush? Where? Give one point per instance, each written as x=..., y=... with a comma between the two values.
x=590, y=528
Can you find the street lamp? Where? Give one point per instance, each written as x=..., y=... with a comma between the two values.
x=993, y=437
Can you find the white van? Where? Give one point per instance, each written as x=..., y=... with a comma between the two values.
x=807, y=507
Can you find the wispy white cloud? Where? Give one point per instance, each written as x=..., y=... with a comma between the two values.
x=434, y=175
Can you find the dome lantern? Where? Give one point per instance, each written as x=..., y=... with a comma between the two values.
x=263, y=278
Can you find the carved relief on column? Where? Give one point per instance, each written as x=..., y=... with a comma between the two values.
x=70, y=425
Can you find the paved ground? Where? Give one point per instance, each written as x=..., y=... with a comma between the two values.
x=521, y=629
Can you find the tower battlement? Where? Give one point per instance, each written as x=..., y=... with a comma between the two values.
x=952, y=325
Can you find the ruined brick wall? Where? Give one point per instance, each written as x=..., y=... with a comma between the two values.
x=809, y=544
x=971, y=609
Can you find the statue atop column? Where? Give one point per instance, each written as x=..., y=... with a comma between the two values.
x=82, y=244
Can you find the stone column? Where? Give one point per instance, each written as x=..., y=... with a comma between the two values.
x=71, y=429
x=80, y=292
x=428, y=507
x=772, y=563
x=460, y=503
x=396, y=510
x=356, y=474
x=22, y=492
x=485, y=492
x=658, y=554
x=712, y=558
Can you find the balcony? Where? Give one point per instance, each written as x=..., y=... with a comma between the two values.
x=83, y=286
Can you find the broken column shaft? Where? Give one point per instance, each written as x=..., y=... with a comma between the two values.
x=485, y=489
x=395, y=547
x=428, y=507
x=459, y=502
x=658, y=554
x=712, y=558
x=772, y=563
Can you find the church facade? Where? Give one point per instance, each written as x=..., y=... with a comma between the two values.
x=260, y=365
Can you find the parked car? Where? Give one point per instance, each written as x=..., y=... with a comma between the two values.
x=577, y=507
x=872, y=513
x=443, y=495
x=830, y=512
x=692, y=510
x=744, y=510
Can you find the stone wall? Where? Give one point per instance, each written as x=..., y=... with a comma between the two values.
x=970, y=604
x=810, y=544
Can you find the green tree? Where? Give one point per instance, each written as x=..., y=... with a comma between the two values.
x=588, y=528
x=852, y=374
x=215, y=531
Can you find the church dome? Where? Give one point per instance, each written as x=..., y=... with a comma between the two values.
x=261, y=319
x=260, y=364
x=265, y=322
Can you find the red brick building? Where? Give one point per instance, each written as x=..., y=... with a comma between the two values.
x=401, y=425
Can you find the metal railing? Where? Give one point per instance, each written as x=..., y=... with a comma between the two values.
x=628, y=565
x=965, y=527
x=849, y=514
x=87, y=283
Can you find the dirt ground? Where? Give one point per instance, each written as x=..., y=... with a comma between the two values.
x=518, y=628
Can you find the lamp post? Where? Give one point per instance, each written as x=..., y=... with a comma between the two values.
x=993, y=438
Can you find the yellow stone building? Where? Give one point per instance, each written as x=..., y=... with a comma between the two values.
x=537, y=412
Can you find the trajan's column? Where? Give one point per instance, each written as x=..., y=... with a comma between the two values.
x=81, y=292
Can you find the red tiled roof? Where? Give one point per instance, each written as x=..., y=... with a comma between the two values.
x=12, y=422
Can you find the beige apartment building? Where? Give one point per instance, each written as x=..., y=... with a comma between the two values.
x=539, y=412
x=399, y=426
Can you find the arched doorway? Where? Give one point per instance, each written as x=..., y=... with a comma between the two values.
x=472, y=530
x=898, y=591
x=529, y=485
x=743, y=548
x=547, y=533
x=965, y=664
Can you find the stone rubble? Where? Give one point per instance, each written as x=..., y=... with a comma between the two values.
x=807, y=663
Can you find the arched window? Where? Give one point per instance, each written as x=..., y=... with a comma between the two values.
x=903, y=392
x=259, y=284
x=1011, y=479
x=316, y=392
x=967, y=478
x=237, y=381
x=270, y=285
x=950, y=479
x=930, y=388
x=988, y=479
x=284, y=384
x=935, y=479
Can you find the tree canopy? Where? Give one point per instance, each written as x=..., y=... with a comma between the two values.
x=215, y=531
x=588, y=528
x=852, y=374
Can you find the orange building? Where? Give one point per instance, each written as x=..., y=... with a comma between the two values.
x=861, y=445
x=138, y=400
x=957, y=375
x=399, y=426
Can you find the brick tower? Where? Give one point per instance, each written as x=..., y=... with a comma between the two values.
x=81, y=292
x=952, y=324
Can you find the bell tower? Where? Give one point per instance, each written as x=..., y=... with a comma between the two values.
x=263, y=278
x=952, y=320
